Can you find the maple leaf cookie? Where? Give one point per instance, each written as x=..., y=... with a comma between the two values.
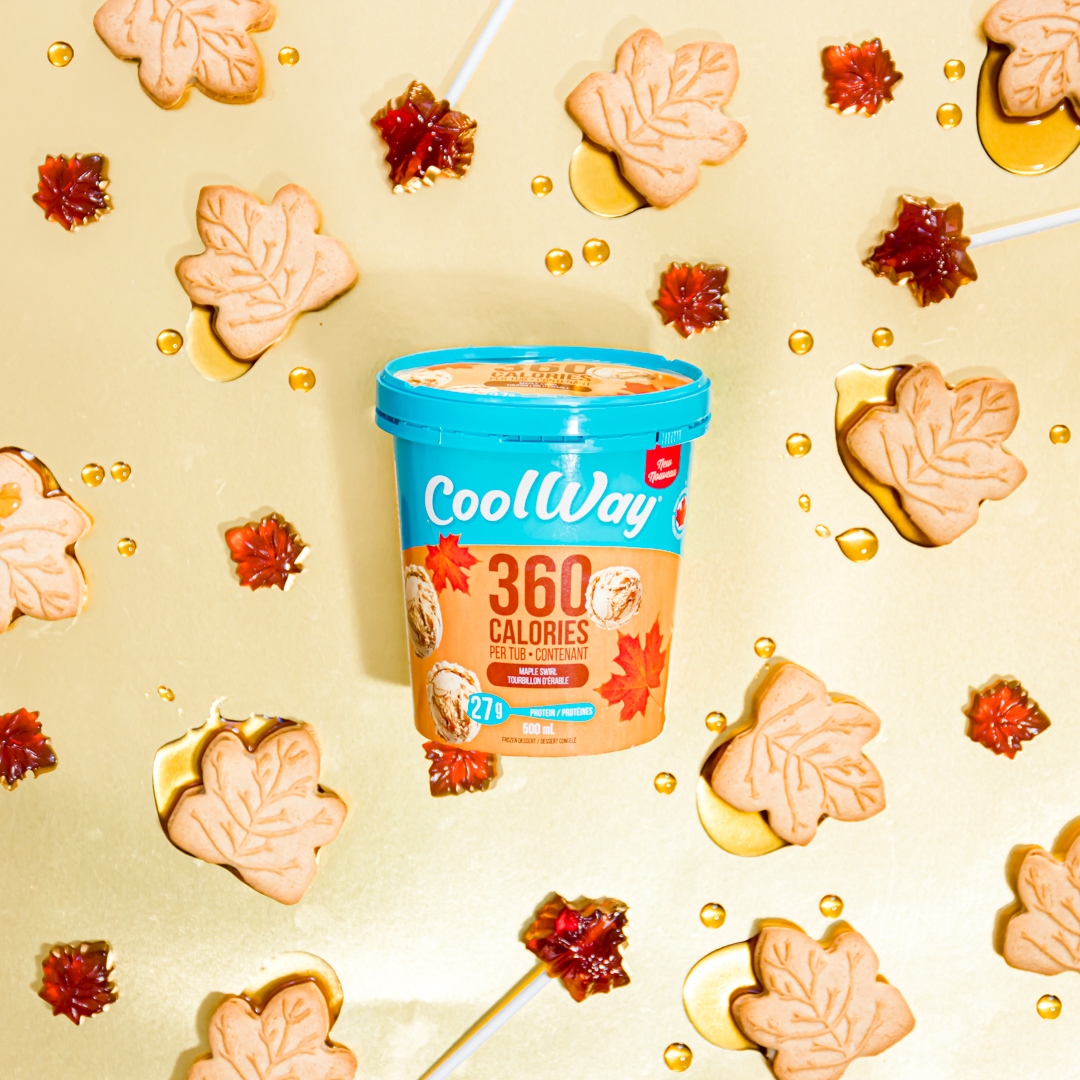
x=801, y=759
x=39, y=527
x=182, y=43
x=1045, y=936
x=288, y=1039
x=263, y=265
x=662, y=113
x=821, y=1007
x=940, y=448
x=260, y=812
x=1043, y=66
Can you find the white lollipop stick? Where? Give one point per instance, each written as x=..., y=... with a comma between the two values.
x=494, y=1018
x=476, y=53
x=1026, y=228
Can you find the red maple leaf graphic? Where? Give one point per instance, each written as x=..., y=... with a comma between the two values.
x=1003, y=718
x=927, y=247
x=425, y=138
x=643, y=665
x=580, y=944
x=266, y=553
x=690, y=297
x=447, y=562
x=859, y=78
x=23, y=748
x=72, y=191
x=75, y=980
x=453, y=770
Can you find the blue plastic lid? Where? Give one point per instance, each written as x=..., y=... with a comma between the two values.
x=594, y=399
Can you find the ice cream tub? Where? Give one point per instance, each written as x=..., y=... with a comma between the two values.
x=542, y=495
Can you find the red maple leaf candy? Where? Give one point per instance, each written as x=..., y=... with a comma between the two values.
x=858, y=78
x=425, y=139
x=453, y=771
x=75, y=980
x=266, y=553
x=927, y=247
x=580, y=944
x=690, y=297
x=23, y=748
x=71, y=191
x=642, y=665
x=1003, y=718
x=447, y=562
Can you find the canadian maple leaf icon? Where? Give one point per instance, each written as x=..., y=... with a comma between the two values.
x=643, y=667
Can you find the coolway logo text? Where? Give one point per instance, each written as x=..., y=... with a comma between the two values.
x=615, y=507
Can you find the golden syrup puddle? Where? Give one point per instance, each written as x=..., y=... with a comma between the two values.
x=542, y=186
x=288, y=969
x=740, y=832
x=713, y=916
x=208, y=356
x=1027, y=146
x=598, y=184
x=712, y=984
x=858, y=388
x=176, y=764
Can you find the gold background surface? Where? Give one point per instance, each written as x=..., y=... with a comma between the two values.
x=420, y=902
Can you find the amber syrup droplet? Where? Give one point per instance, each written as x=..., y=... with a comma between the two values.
x=665, y=783
x=831, y=906
x=822, y=530
x=1025, y=145
x=716, y=721
x=764, y=647
x=954, y=70
x=804, y=503
x=120, y=471
x=1049, y=1007
x=170, y=342
x=288, y=56
x=126, y=547
x=302, y=378
x=166, y=693
x=801, y=342
x=542, y=186
x=558, y=261
x=882, y=337
x=713, y=916
x=60, y=54
x=949, y=115
x=92, y=475
x=678, y=1057
x=798, y=445
x=1059, y=434
x=595, y=252
x=859, y=545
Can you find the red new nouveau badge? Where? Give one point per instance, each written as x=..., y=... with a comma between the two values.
x=662, y=466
